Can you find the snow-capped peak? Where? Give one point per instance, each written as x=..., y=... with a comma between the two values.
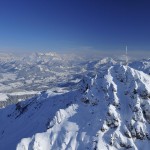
x=109, y=111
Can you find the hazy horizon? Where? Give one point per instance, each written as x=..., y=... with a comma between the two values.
x=88, y=53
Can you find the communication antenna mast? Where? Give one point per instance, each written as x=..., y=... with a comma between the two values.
x=126, y=55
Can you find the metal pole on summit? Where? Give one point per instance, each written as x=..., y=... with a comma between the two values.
x=126, y=56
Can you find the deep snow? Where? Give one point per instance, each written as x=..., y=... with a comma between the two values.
x=108, y=111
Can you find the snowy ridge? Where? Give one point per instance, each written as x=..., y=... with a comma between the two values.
x=142, y=65
x=109, y=111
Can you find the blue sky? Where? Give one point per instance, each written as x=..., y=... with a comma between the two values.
x=74, y=25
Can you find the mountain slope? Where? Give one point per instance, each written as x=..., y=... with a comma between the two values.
x=142, y=65
x=108, y=111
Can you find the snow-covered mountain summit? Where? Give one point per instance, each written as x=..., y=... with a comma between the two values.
x=108, y=111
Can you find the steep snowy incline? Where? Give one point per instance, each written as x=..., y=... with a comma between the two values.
x=142, y=65
x=109, y=111
x=29, y=117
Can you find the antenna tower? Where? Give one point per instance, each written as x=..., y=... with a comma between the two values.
x=126, y=55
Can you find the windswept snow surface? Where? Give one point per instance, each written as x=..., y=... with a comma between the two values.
x=109, y=110
x=142, y=65
x=3, y=97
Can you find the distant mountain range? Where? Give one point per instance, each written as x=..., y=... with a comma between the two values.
x=42, y=71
